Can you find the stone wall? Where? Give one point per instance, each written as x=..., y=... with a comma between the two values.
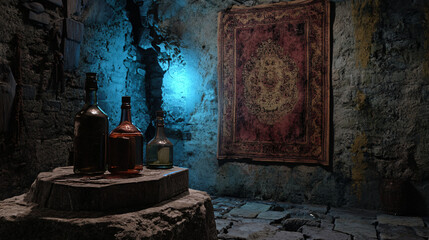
x=379, y=88
x=41, y=139
x=164, y=53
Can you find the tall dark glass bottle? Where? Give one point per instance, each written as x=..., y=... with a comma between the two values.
x=90, y=133
x=159, y=151
x=125, y=144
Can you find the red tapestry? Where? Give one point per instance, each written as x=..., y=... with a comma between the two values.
x=274, y=63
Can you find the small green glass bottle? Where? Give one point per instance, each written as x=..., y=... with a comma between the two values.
x=159, y=151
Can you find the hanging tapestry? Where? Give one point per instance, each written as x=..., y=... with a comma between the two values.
x=274, y=85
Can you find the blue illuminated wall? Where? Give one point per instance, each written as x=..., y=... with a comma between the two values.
x=138, y=49
x=164, y=54
x=108, y=51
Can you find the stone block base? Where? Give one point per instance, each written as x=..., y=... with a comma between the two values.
x=187, y=216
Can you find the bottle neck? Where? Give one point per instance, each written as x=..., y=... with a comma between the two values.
x=160, y=129
x=125, y=114
x=91, y=97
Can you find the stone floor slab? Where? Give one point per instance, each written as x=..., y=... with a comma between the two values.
x=227, y=202
x=321, y=209
x=293, y=224
x=327, y=224
x=273, y=215
x=362, y=229
x=248, y=231
x=285, y=235
x=218, y=214
x=337, y=223
x=397, y=232
x=400, y=220
x=315, y=233
x=249, y=210
x=222, y=225
x=422, y=231
x=306, y=214
x=352, y=213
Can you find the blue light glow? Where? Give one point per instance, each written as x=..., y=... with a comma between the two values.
x=108, y=53
x=181, y=87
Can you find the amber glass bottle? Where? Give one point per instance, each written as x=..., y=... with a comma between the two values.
x=125, y=144
x=90, y=133
x=159, y=151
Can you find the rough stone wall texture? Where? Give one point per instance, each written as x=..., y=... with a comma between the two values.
x=164, y=53
x=48, y=119
x=107, y=50
x=380, y=106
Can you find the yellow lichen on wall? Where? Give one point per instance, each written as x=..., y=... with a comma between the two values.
x=360, y=100
x=365, y=15
x=359, y=164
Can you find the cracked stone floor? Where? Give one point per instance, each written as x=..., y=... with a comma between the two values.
x=246, y=219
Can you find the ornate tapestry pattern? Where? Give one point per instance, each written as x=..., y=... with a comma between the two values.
x=274, y=82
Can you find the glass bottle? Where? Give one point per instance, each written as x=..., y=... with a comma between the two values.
x=125, y=144
x=159, y=151
x=90, y=133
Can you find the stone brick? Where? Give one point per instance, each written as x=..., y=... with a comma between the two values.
x=32, y=106
x=71, y=54
x=37, y=124
x=34, y=6
x=73, y=7
x=42, y=18
x=28, y=92
x=7, y=95
x=51, y=106
x=58, y=3
x=74, y=30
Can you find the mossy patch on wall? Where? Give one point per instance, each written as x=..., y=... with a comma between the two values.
x=359, y=165
x=365, y=16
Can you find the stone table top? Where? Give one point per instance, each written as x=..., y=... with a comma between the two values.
x=61, y=189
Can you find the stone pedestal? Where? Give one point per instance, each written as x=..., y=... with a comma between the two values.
x=63, y=190
x=155, y=205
